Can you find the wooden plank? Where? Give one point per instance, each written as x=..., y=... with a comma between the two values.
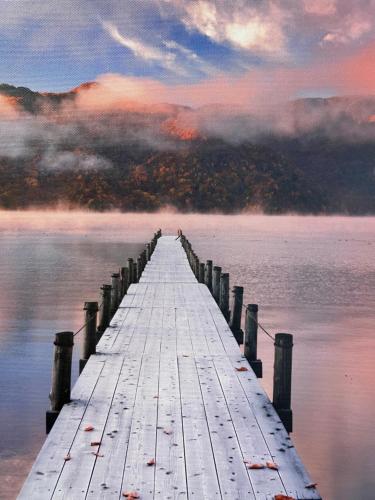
x=170, y=476
x=47, y=468
x=231, y=469
x=202, y=479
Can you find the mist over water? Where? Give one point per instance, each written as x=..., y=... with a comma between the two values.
x=311, y=276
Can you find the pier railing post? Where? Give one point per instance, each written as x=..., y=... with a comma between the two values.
x=124, y=281
x=201, y=273
x=139, y=268
x=105, y=310
x=224, y=295
x=251, y=339
x=61, y=376
x=89, y=333
x=130, y=267
x=196, y=267
x=236, y=314
x=144, y=259
x=282, y=379
x=115, y=293
x=216, y=283
x=208, y=275
x=134, y=272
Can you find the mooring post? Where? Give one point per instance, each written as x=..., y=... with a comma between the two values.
x=130, y=267
x=124, y=280
x=105, y=311
x=224, y=295
x=115, y=293
x=144, y=259
x=216, y=283
x=139, y=268
x=135, y=272
x=236, y=314
x=196, y=267
x=251, y=339
x=282, y=379
x=208, y=275
x=61, y=376
x=89, y=333
x=201, y=273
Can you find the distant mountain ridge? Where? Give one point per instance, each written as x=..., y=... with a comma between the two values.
x=146, y=159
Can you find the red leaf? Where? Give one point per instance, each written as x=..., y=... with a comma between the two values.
x=88, y=428
x=283, y=497
x=67, y=457
x=254, y=466
x=95, y=443
x=167, y=431
x=272, y=465
x=242, y=369
x=151, y=461
x=131, y=494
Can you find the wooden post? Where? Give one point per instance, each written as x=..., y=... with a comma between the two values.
x=130, y=267
x=251, y=339
x=224, y=295
x=139, y=268
x=61, y=376
x=196, y=267
x=216, y=283
x=115, y=293
x=236, y=314
x=282, y=378
x=89, y=333
x=105, y=310
x=135, y=272
x=201, y=273
x=208, y=275
x=124, y=280
x=144, y=259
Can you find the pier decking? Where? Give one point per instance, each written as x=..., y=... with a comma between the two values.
x=172, y=414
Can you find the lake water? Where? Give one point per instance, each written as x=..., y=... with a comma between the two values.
x=311, y=276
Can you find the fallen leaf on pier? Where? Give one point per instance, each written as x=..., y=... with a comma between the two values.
x=95, y=443
x=272, y=465
x=97, y=454
x=254, y=466
x=88, y=428
x=67, y=457
x=156, y=397
x=151, y=461
x=283, y=497
x=311, y=485
x=131, y=494
x=242, y=369
x=167, y=431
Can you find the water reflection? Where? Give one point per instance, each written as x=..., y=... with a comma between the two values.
x=312, y=276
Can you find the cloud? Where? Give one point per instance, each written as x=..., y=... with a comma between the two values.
x=320, y=7
x=241, y=25
x=142, y=50
x=351, y=31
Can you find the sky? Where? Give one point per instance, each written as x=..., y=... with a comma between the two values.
x=192, y=51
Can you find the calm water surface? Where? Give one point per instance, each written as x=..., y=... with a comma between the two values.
x=312, y=276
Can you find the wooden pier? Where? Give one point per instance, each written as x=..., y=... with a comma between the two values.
x=168, y=407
